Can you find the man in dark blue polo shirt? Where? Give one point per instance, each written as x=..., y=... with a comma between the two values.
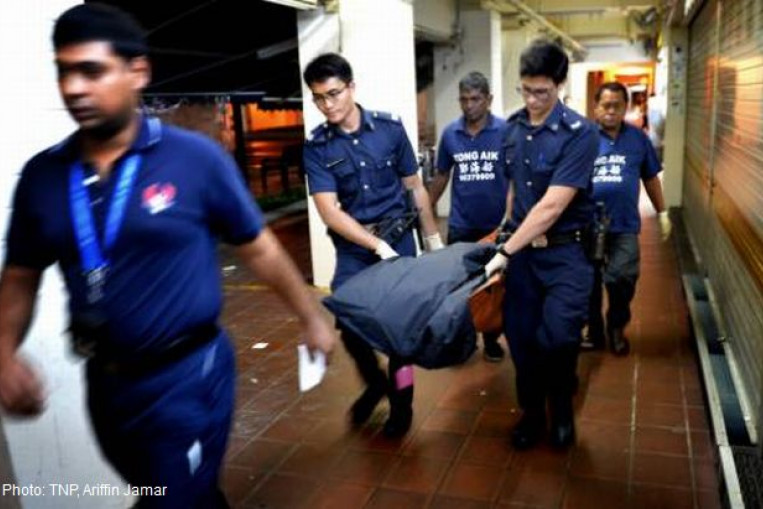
x=550, y=151
x=359, y=164
x=626, y=158
x=472, y=147
x=131, y=211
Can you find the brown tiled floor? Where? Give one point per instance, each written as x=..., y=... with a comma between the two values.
x=643, y=435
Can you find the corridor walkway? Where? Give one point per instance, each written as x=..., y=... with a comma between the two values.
x=643, y=433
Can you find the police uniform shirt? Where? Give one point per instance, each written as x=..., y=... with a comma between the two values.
x=363, y=168
x=621, y=164
x=559, y=152
x=479, y=184
x=164, y=277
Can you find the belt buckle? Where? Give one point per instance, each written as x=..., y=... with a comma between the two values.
x=539, y=242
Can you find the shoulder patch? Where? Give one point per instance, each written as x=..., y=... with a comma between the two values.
x=383, y=115
x=318, y=135
x=572, y=119
x=513, y=116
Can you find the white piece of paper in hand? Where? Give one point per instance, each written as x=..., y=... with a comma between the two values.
x=311, y=371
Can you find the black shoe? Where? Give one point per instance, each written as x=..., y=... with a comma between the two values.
x=618, y=343
x=528, y=431
x=364, y=406
x=492, y=351
x=562, y=434
x=399, y=421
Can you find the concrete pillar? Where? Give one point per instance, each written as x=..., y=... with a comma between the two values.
x=57, y=447
x=377, y=38
x=513, y=42
x=478, y=49
x=677, y=42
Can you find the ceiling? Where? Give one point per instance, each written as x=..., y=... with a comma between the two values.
x=220, y=46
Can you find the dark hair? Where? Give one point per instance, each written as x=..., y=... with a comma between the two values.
x=474, y=81
x=612, y=86
x=328, y=65
x=98, y=22
x=544, y=58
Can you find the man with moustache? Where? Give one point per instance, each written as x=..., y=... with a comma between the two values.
x=472, y=147
x=626, y=158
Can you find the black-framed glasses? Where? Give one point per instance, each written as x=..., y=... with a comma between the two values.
x=541, y=94
x=329, y=97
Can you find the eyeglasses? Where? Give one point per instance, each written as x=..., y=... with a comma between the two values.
x=329, y=97
x=541, y=94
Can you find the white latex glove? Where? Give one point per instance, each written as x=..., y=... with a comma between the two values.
x=385, y=251
x=496, y=263
x=433, y=242
x=666, y=226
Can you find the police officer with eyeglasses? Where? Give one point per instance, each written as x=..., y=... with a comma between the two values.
x=359, y=165
x=550, y=151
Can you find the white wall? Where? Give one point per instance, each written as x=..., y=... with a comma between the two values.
x=57, y=447
x=615, y=50
x=513, y=43
x=577, y=84
x=434, y=19
x=677, y=42
x=377, y=38
x=318, y=33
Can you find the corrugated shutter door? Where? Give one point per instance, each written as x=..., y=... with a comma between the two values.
x=723, y=184
x=736, y=267
x=699, y=119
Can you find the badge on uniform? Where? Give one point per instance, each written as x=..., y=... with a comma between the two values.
x=87, y=329
x=96, y=280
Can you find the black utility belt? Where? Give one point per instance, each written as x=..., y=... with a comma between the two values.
x=392, y=229
x=558, y=239
x=147, y=362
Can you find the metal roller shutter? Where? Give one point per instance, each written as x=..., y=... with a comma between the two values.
x=738, y=187
x=699, y=121
x=724, y=185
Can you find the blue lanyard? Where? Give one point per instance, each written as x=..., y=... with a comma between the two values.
x=93, y=256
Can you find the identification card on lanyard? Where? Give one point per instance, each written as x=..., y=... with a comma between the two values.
x=94, y=253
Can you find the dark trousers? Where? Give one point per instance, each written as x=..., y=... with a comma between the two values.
x=168, y=428
x=352, y=259
x=618, y=273
x=365, y=359
x=368, y=368
x=546, y=305
x=472, y=235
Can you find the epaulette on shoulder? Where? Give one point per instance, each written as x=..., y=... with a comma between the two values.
x=319, y=134
x=573, y=120
x=389, y=117
x=513, y=117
